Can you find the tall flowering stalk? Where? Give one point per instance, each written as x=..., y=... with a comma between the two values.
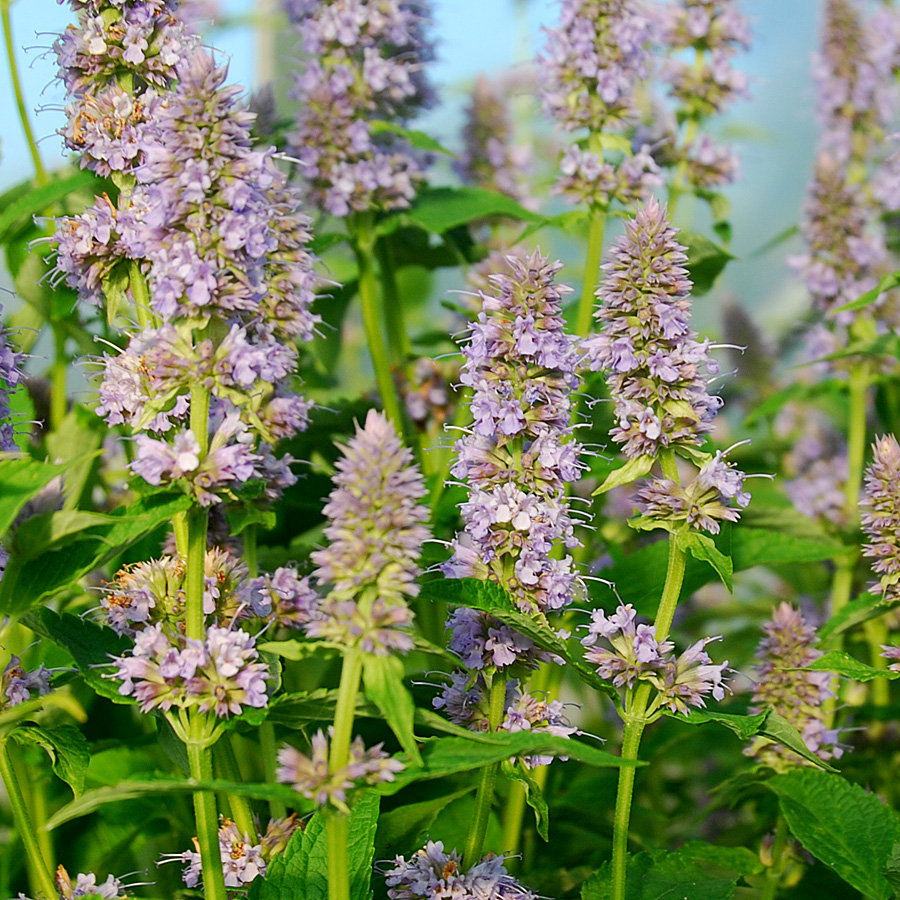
x=592, y=64
x=364, y=73
x=517, y=457
x=375, y=530
x=655, y=372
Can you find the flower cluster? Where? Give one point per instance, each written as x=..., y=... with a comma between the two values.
x=588, y=177
x=881, y=516
x=518, y=454
x=481, y=641
x=635, y=654
x=313, y=776
x=85, y=886
x=10, y=379
x=466, y=702
x=242, y=860
x=655, y=363
x=375, y=535
x=799, y=696
x=220, y=674
x=363, y=65
x=17, y=686
x=489, y=158
x=432, y=873
x=702, y=503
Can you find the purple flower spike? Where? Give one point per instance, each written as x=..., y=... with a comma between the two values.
x=432, y=873
x=654, y=363
x=880, y=508
x=799, y=696
x=86, y=886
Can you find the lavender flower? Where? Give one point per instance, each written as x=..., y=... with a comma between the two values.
x=481, y=641
x=220, y=674
x=364, y=64
x=880, y=509
x=375, y=534
x=17, y=686
x=432, y=873
x=634, y=654
x=653, y=359
x=518, y=455
x=10, y=379
x=797, y=695
x=85, y=886
x=312, y=775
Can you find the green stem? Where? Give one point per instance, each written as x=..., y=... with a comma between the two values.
x=59, y=400
x=337, y=826
x=775, y=871
x=631, y=744
x=251, y=554
x=485, y=795
x=139, y=294
x=398, y=337
x=267, y=749
x=40, y=879
x=227, y=764
x=200, y=759
x=677, y=560
x=40, y=173
x=513, y=820
x=591, y=271
x=363, y=246
x=197, y=527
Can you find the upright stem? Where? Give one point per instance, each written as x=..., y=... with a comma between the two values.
x=59, y=400
x=485, y=795
x=139, y=294
x=227, y=765
x=774, y=872
x=39, y=876
x=513, y=820
x=200, y=759
x=337, y=825
x=398, y=337
x=635, y=713
x=267, y=750
x=251, y=556
x=591, y=271
x=40, y=173
x=197, y=527
x=364, y=246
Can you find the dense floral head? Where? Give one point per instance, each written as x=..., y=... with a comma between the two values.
x=799, y=696
x=655, y=363
x=431, y=873
x=313, y=776
x=483, y=642
x=18, y=685
x=375, y=529
x=881, y=515
x=10, y=380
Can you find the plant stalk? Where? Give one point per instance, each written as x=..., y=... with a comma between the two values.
x=591, y=271
x=40, y=173
x=227, y=764
x=485, y=795
x=267, y=750
x=398, y=337
x=363, y=241
x=39, y=876
x=775, y=871
x=200, y=758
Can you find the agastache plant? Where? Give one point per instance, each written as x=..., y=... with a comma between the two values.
x=656, y=368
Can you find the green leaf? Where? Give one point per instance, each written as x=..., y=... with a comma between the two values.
x=241, y=515
x=706, y=261
x=18, y=208
x=48, y=531
x=440, y=209
x=404, y=829
x=385, y=687
x=534, y=796
x=844, y=664
x=309, y=879
x=891, y=869
x=887, y=283
x=702, y=547
x=471, y=592
x=20, y=480
x=66, y=747
x=417, y=139
x=294, y=649
x=90, y=645
x=280, y=882
x=76, y=440
x=767, y=724
x=451, y=755
x=857, y=611
x=842, y=825
x=631, y=471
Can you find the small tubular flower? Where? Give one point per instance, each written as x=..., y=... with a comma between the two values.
x=18, y=685
x=881, y=516
x=313, y=777
x=86, y=886
x=10, y=380
x=431, y=873
x=799, y=696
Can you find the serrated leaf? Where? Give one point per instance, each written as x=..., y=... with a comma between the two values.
x=19, y=207
x=701, y=547
x=20, y=480
x=887, y=283
x=859, y=610
x=891, y=869
x=631, y=471
x=471, y=592
x=66, y=747
x=534, y=796
x=281, y=874
x=49, y=531
x=705, y=262
x=843, y=663
x=403, y=830
x=767, y=724
x=842, y=825
x=385, y=687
